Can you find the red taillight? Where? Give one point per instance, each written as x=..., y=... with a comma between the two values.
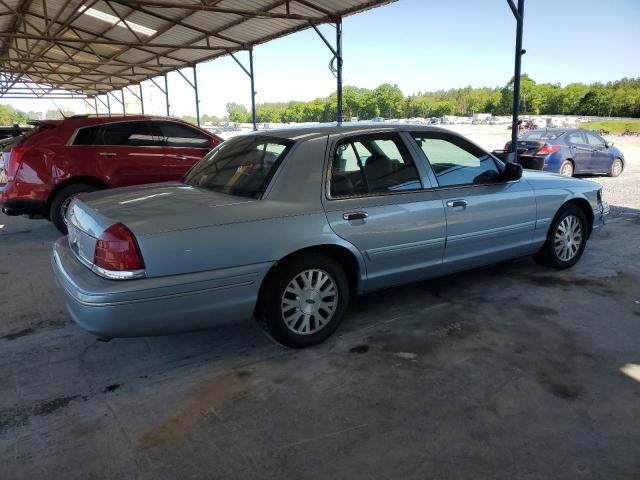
x=547, y=149
x=117, y=250
x=15, y=158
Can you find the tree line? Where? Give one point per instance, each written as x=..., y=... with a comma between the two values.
x=618, y=99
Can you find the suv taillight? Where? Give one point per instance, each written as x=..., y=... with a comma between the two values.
x=117, y=251
x=547, y=149
x=14, y=161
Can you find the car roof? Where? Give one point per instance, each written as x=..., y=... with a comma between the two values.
x=85, y=120
x=308, y=132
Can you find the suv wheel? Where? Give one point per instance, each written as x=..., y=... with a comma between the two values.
x=305, y=300
x=60, y=204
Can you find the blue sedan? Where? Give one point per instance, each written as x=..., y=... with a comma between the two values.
x=288, y=225
x=569, y=152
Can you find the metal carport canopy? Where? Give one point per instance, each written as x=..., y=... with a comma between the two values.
x=58, y=48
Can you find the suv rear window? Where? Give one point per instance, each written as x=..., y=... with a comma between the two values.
x=241, y=166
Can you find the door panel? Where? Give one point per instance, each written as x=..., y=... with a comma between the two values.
x=496, y=223
x=487, y=219
x=600, y=157
x=401, y=238
x=376, y=201
x=184, y=147
x=580, y=152
x=131, y=153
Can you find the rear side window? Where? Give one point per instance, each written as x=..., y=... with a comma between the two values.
x=241, y=166
x=374, y=164
x=177, y=135
x=455, y=161
x=134, y=134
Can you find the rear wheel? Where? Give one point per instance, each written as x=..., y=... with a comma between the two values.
x=566, y=239
x=60, y=203
x=305, y=299
x=566, y=169
x=616, y=167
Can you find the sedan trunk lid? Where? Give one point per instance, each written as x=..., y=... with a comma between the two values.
x=153, y=208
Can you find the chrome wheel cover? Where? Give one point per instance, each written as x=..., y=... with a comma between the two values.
x=65, y=207
x=568, y=238
x=567, y=170
x=309, y=302
x=617, y=167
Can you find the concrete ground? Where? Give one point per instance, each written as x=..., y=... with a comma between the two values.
x=509, y=372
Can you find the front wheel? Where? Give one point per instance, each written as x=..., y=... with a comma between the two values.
x=60, y=204
x=566, y=239
x=616, y=167
x=305, y=299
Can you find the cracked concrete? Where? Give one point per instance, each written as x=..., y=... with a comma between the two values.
x=513, y=371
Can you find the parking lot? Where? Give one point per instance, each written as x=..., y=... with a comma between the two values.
x=512, y=371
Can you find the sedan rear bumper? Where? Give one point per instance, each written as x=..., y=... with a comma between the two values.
x=155, y=306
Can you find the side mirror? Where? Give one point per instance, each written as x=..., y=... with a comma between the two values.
x=512, y=172
x=609, y=144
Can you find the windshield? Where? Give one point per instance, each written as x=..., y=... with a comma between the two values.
x=241, y=166
x=541, y=135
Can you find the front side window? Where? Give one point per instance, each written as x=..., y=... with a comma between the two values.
x=455, y=161
x=372, y=165
x=177, y=135
x=594, y=140
x=575, y=137
x=242, y=166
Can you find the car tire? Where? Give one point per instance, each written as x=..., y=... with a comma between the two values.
x=616, y=167
x=295, y=294
x=60, y=203
x=566, y=239
x=566, y=169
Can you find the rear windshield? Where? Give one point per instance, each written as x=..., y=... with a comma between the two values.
x=241, y=166
x=541, y=135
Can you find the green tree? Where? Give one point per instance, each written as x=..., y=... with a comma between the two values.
x=238, y=113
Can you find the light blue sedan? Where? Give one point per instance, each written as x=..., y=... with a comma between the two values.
x=289, y=225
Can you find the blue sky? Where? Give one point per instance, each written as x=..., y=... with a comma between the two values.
x=425, y=45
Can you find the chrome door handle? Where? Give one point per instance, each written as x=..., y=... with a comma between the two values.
x=354, y=215
x=107, y=154
x=457, y=203
x=181, y=157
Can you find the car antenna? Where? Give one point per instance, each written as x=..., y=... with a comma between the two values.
x=59, y=109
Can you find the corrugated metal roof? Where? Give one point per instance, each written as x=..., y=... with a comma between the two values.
x=93, y=46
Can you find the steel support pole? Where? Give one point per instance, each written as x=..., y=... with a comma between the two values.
x=141, y=99
x=166, y=93
x=95, y=105
x=124, y=109
x=339, y=118
x=195, y=89
x=519, y=16
x=108, y=104
x=253, y=92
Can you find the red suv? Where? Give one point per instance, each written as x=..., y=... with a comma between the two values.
x=58, y=159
